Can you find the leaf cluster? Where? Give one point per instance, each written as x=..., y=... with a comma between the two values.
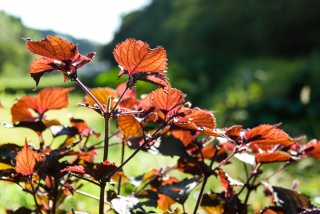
x=161, y=123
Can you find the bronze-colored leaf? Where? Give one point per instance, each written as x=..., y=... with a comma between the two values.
x=101, y=94
x=136, y=56
x=129, y=125
x=26, y=160
x=165, y=99
x=265, y=136
x=270, y=157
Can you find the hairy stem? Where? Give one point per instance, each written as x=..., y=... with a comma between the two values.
x=88, y=92
x=120, y=98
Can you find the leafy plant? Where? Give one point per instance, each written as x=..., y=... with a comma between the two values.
x=161, y=123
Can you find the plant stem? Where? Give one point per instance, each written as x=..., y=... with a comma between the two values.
x=101, y=198
x=201, y=194
x=128, y=159
x=88, y=92
x=34, y=195
x=120, y=98
x=121, y=161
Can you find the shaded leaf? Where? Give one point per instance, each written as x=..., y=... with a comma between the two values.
x=10, y=175
x=8, y=153
x=82, y=127
x=270, y=157
x=209, y=151
x=176, y=211
x=166, y=145
x=129, y=125
x=213, y=203
x=179, y=191
x=136, y=56
x=188, y=166
x=272, y=210
x=26, y=160
x=165, y=99
x=226, y=181
x=150, y=197
x=291, y=201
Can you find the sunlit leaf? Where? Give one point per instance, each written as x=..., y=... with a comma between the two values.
x=129, y=125
x=312, y=148
x=76, y=169
x=131, y=92
x=47, y=99
x=101, y=94
x=52, y=98
x=135, y=56
x=176, y=211
x=234, y=132
x=26, y=160
x=270, y=157
x=183, y=135
x=165, y=99
x=197, y=120
x=53, y=47
x=57, y=54
x=265, y=136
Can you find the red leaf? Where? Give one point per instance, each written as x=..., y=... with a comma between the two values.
x=272, y=157
x=47, y=99
x=26, y=160
x=136, y=56
x=131, y=92
x=265, y=136
x=234, y=132
x=20, y=110
x=57, y=54
x=52, y=98
x=77, y=169
x=166, y=99
x=129, y=125
x=226, y=181
x=197, y=120
x=53, y=47
x=82, y=127
x=183, y=135
x=312, y=149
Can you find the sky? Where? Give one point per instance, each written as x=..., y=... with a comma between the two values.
x=96, y=20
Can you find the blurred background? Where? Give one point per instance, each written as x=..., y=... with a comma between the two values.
x=250, y=61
